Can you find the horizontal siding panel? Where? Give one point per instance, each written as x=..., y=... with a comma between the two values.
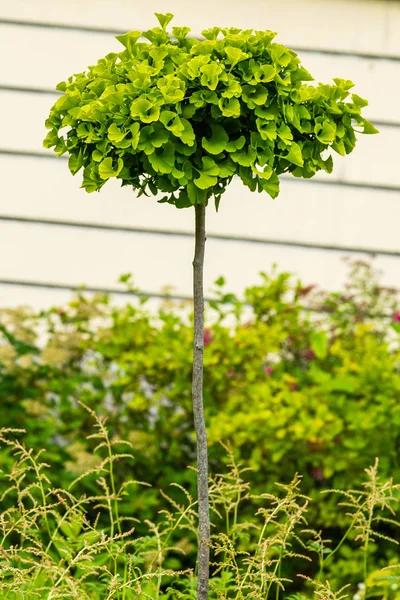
x=34, y=298
x=39, y=298
x=62, y=255
x=369, y=26
x=24, y=130
x=50, y=56
x=305, y=212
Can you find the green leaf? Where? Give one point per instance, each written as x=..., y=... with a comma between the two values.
x=220, y=282
x=285, y=133
x=245, y=158
x=202, y=97
x=267, y=129
x=172, y=88
x=151, y=137
x=208, y=174
x=264, y=174
x=230, y=107
x=162, y=159
x=129, y=39
x=265, y=73
x=106, y=169
x=237, y=144
x=269, y=113
x=210, y=75
x=211, y=34
x=325, y=132
x=339, y=147
x=172, y=122
x=188, y=136
x=271, y=185
x=327, y=164
x=97, y=156
x=358, y=101
x=368, y=127
x=164, y=20
x=218, y=141
x=180, y=32
x=191, y=68
x=280, y=55
x=75, y=162
x=145, y=110
x=227, y=168
x=115, y=135
x=195, y=194
x=295, y=155
x=235, y=55
x=254, y=95
x=90, y=181
x=319, y=344
x=344, y=84
x=135, y=131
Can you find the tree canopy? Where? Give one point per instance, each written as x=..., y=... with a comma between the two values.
x=183, y=116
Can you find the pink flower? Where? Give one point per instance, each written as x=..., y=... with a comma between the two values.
x=303, y=291
x=317, y=474
x=396, y=317
x=309, y=354
x=230, y=373
x=268, y=370
x=208, y=336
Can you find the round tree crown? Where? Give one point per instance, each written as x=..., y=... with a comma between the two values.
x=181, y=115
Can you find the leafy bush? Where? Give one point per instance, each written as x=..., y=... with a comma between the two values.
x=59, y=544
x=181, y=115
x=296, y=380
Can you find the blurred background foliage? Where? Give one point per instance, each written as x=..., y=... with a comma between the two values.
x=297, y=380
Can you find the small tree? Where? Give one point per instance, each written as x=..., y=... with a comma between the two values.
x=183, y=116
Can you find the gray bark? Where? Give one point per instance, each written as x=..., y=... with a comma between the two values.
x=198, y=407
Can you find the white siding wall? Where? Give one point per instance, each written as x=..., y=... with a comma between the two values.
x=358, y=206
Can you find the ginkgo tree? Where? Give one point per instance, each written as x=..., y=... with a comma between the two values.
x=180, y=117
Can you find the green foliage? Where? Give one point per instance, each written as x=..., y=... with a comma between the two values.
x=57, y=543
x=179, y=115
x=291, y=388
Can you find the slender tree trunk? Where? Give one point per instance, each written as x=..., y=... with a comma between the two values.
x=198, y=407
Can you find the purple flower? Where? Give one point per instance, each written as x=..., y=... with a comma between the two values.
x=208, y=336
x=309, y=354
x=230, y=373
x=268, y=370
x=396, y=317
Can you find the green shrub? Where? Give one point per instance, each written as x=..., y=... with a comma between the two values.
x=56, y=543
x=296, y=381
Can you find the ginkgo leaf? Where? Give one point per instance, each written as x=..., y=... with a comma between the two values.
x=245, y=158
x=325, y=132
x=106, y=169
x=271, y=185
x=218, y=141
x=295, y=155
x=164, y=20
x=145, y=110
x=230, y=107
x=208, y=174
x=235, y=55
